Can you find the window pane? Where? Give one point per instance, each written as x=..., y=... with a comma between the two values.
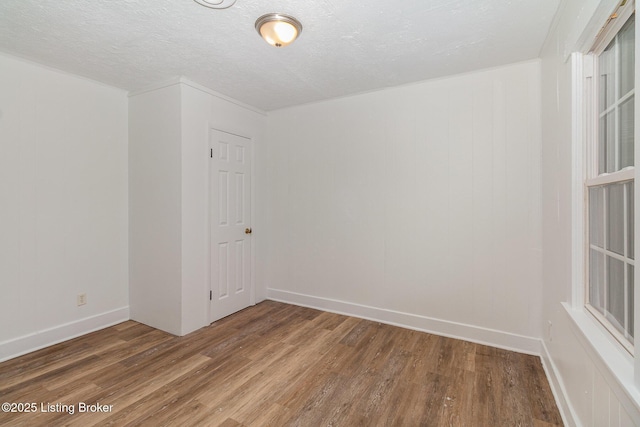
x=630, y=220
x=615, y=293
x=626, y=133
x=596, y=220
x=615, y=218
x=596, y=280
x=610, y=142
x=630, y=300
x=602, y=145
x=626, y=39
x=607, y=69
x=607, y=144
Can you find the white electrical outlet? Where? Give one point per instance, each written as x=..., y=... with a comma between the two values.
x=82, y=299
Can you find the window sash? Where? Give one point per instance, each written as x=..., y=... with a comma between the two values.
x=606, y=253
x=609, y=250
x=606, y=159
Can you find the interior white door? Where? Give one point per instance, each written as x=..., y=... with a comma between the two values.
x=230, y=196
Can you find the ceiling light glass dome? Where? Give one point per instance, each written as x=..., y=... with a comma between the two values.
x=277, y=29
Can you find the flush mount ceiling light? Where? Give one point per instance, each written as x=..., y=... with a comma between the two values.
x=216, y=4
x=277, y=29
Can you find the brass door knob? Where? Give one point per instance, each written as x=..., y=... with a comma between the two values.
x=248, y=231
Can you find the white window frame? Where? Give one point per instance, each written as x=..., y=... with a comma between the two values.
x=620, y=369
x=590, y=176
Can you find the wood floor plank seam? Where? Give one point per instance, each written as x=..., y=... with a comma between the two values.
x=276, y=364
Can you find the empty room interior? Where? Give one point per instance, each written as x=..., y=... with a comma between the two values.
x=252, y=213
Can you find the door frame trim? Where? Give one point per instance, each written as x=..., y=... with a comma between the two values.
x=242, y=134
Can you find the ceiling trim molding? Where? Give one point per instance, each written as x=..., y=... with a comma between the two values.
x=212, y=92
x=155, y=86
x=12, y=56
x=183, y=80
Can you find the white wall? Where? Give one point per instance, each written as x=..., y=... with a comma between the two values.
x=416, y=205
x=63, y=205
x=588, y=395
x=155, y=217
x=169, y=211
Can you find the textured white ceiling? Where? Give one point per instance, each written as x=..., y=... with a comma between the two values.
x=346, y=46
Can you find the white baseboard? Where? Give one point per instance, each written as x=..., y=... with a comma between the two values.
x=476, y=334
x=569, y=418
x=46, y=337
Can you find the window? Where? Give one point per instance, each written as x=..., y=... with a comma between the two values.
x=609, y=183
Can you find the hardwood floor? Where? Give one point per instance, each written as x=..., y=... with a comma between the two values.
x=277, y=365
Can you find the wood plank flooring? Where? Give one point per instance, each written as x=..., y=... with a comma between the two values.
x=277, y=365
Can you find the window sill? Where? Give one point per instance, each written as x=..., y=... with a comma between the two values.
x=613, y=362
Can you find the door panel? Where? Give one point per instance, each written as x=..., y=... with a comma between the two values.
x=230, y=187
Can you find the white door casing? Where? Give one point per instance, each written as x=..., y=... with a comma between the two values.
x=230, y=223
